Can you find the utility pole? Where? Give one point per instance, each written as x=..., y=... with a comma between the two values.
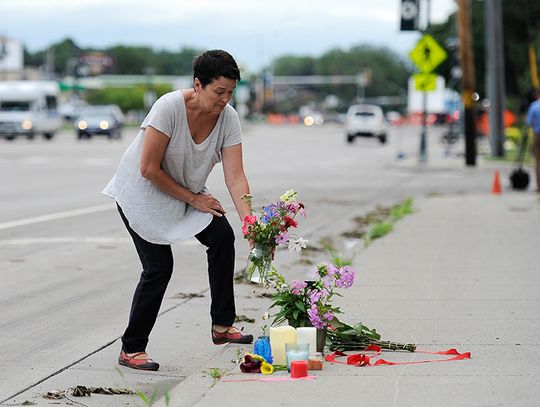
x=495, y=74
x=468, y=84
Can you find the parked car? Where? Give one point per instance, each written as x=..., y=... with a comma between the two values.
x=365, y=121
x=105, y=120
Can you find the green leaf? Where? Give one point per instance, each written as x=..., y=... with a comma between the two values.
x=300, y=305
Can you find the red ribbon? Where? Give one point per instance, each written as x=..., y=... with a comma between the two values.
x=361, y=359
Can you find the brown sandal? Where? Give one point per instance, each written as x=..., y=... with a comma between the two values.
x=220, y=338
x=141, y=364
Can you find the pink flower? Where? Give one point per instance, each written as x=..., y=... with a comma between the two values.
x=282, y=238
x=250, y=220
x=245, y=230
x=297, y=287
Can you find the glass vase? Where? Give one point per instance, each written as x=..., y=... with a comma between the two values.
x=259, y=263
x=263, y=349
x=321, y=339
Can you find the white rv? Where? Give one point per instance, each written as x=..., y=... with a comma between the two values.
x=28, y=108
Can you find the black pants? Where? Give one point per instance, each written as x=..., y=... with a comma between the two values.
x=157, y=263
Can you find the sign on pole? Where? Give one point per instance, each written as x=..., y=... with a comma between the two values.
x=425, y=82
x=409, y=15
x=427, y=54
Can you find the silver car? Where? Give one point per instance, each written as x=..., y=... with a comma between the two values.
x=105, y=120
x=365, y=121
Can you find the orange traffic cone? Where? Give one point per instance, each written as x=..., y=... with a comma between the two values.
x=496, y=188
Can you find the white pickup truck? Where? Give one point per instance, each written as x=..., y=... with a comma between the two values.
x=28, y=108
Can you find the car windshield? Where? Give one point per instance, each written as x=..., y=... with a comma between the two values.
x=14, y=106
x=365, y=114
x=96, y=111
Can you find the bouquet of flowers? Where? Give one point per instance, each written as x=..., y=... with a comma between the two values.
x=309, y=303
x=269, y=228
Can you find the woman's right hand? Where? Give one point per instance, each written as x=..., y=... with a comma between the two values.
x=207, y=203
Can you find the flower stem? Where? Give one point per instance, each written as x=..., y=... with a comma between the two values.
x=363, y=343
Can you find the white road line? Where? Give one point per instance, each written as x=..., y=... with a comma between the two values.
x=55, y=216
x=77, y=239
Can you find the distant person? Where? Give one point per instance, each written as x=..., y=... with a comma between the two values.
x=528, y=98
x=533, y=120
x=159, y=188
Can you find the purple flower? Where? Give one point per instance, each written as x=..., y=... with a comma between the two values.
x=327, y=283
x=315, y=318
x=328, y=316
x=297, y=287
x=346, y=277
x=314, y=296
x=282, y=238
x=331, y=269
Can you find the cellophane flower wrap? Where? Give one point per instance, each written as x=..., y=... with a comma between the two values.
x=269, y=228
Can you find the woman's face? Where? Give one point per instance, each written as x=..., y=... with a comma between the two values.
x=215, y=96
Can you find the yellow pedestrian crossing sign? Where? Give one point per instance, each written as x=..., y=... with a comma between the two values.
x=427, y=54
x=425, y=82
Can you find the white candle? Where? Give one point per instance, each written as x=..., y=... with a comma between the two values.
x=307, y=335
x=279, y=336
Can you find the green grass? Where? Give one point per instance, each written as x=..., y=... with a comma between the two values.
x=380, y=229
x=382, y=226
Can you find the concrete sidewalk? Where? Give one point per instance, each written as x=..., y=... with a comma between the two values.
x=462, y=271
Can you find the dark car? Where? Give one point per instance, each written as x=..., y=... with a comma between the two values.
x=106, y=120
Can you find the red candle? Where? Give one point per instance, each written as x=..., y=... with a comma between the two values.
x=299, y=369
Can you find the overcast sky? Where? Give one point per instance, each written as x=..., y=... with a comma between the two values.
x=254, y=31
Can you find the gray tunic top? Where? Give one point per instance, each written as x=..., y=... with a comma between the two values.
x=156, y=216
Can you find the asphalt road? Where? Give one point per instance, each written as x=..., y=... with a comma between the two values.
x=68, y=268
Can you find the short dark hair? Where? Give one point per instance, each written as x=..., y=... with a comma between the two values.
x=214, y=63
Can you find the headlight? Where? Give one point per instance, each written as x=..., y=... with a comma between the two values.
x=27, y=124
x=309, y=120
x=104, y=125
x=82, y=125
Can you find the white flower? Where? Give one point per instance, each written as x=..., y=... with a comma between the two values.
x=265, y=316
x=297, y=244
x=288, y=196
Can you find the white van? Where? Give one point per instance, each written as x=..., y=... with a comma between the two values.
x=28, y=108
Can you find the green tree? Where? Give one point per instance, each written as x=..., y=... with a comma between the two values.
x=521, y=29
x=175, y=63
x=130, y=60
x=294, y=65
x=388, y=74
x=131, y=98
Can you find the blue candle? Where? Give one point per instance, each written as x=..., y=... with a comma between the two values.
x=262, y=348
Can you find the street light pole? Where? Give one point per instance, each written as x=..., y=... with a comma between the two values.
x=422, y=156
